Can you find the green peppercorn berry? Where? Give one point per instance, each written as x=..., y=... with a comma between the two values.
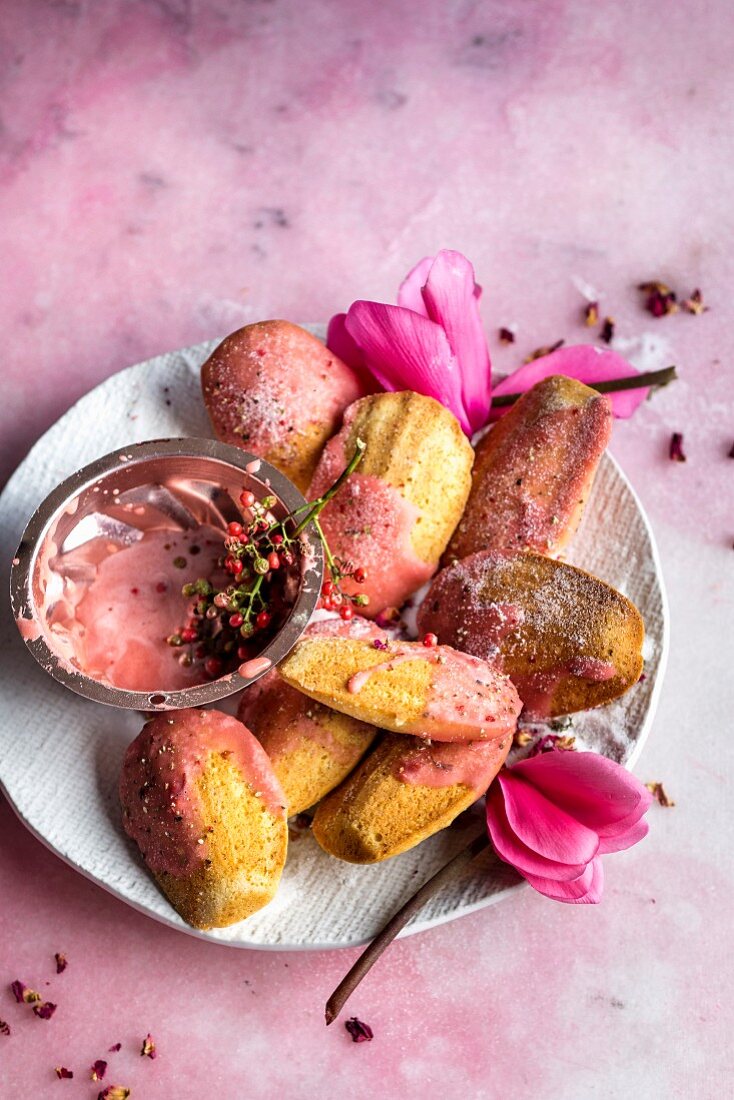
x=261, y=566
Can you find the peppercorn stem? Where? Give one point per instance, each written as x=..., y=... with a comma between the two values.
x=611, y=385
x=327, y=549
x=374, y=950
x=318, y=505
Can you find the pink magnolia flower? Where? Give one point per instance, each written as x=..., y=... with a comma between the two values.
x=584, y=362
x=432, y=342
x=552, y=816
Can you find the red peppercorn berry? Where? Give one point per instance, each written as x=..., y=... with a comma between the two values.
x=188, y=634
x=237, y=567
x=347, y=612
x=235, y=530
x=236, y=620
x=430, y=640
x=273, y=560
x=247, y=499
x=360, y=575
x=263, y=620
x=277, y=540
x=242, y=652
x=213, y=667
x=327, y=588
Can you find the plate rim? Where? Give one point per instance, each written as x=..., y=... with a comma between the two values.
x=416, y=926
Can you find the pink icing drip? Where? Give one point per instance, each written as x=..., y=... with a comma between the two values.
x=254, y=667
x=444, y=764
x=357, y=682
x=254, y=466
x=29, y=629
x=538, y=688
x=158, y=784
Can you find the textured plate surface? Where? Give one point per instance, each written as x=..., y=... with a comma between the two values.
x=60, y=754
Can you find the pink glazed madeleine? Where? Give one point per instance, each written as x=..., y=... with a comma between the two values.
x=432, y=692
x=395, y=514
x=202, y=802
x=312, y=748
x=274, y=389
x=534, y=471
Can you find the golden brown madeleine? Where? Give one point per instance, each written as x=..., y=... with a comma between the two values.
x=436, y=693
x=311, y=747
x=274, y=389
x=203, y=804
x=396, y=513
x=534, y=470
x=404, y=791
x=567, y=640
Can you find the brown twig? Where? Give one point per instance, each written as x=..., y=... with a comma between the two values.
x=383, y=939
x=612, y=385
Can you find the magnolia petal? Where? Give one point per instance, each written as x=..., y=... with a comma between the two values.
x=405, y=351
x=624, y=840
x=584, y=362
x=341, y=343
x=585, y=890
x=597, y=792
x=451, y=296
x=410, y=293
x=542, y=825
x=509, y=848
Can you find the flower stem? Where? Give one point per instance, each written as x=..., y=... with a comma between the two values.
x=611, y=385
x=372, y=952
x=318, y=505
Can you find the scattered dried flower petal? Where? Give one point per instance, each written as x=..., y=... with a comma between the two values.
x=591, y=313
x=378, y=643
x=360, y=1032
x=148, y=1048
x=114, y=1092
x=4, y=1028
x=694, y=303
x=551, y=741
x=607, y=330
x=45, y=1010
x=63, y=1073
x=23, y=994
x=539, y=353
x=657, y=790
x=660, y=300
x=507, y=336
x=522, y=738
x=98, y=1070
x=115, y=1047
x=61, y=963
x=676, y=448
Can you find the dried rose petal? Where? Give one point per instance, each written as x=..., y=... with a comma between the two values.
x=551, y=741
x=657, y=790
x=591, y=313
x=676, y=448
x=660, y=300
x=4, y=1028
x=98, y=1070
x=23, y=994
x=148, y=1048
x=45, y=1010
x=115, y=1047
x=114, y=1092
x=607, y=330
x=61, y=963
x=695, y=303
x=507, y=336
x=539, y=353
x=360, y=1032
x=378, y=643
x=63, y=1073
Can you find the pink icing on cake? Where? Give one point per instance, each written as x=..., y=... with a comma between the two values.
x=442, y=764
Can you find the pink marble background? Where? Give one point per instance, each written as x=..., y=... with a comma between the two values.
x=170, y=170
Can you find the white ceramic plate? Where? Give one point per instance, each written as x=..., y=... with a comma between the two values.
x=60, y=754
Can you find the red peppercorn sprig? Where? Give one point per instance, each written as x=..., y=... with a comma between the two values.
x=259, y=551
